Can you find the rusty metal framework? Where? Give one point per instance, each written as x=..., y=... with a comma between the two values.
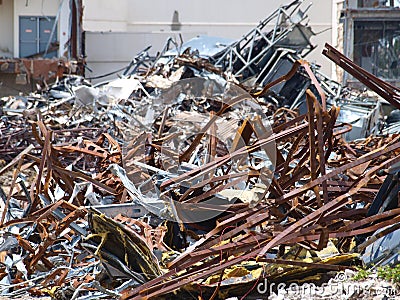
x=177, y=181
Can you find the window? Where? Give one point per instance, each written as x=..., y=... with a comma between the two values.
x=378, y=3
x=377, y=47
x=37, y=36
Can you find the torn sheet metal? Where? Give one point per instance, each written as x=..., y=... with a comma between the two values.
x=364, y=116
x=194, y=182
x=206, y=46
x=108, y=236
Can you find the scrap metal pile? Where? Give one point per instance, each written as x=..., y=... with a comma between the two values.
x=193, y=177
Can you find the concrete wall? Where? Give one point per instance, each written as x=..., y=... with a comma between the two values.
x=337, y=37
x=105, y=15
x=152, y=21
x=6, y=28
x=63, y=28
x=109, y=51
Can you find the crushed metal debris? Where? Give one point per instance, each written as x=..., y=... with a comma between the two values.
x=198, y=173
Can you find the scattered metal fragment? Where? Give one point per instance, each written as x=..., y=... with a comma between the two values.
x=199, y=172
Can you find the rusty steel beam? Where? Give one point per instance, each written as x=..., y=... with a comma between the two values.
x=387, y=91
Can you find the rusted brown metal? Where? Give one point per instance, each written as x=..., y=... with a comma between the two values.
x=312, y=226
x=320, y=188
x=382, y=88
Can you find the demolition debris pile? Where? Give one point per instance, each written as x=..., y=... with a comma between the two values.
x=199, y=174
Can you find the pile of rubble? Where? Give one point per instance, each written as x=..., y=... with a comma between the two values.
x=199, y=174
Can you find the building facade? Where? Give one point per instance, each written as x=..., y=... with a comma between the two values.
x=372, y=31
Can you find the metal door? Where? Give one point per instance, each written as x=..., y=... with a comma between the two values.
x=45, y=28
x=28, y=35
x=34, y=35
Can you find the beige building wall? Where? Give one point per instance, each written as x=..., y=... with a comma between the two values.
x=138, y=23
x=6, y=28
x=337, y=37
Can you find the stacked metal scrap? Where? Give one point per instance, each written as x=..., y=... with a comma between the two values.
x=182, y=181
